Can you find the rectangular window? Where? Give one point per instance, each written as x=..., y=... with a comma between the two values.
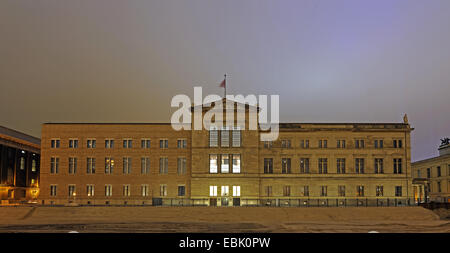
x=213, y=163
x=236, y=137
x=72, y=190
x=145, y=143
x=109, y=165
x=126, y=190
x=213, y=137
x=340, y=163
x=225, y=137
x=54, y=165
x=378, y=143
x=163, y=165
x=90, y=190
x=397, y=166
x=268, y=166
x=360, y=191
x=53, y=190
x=109, y=143
x=359, y=144
x=236, y=191
x=268, y=191
x=73, y=143
x=55, y=143
x=126, y=165
x=73, y=161
x=305, y=192
x=304, y=143
x=181, y=190
x=359, y=165
x=91, y=143
x=213, y=190
x=323, y=191
x=225, y=163
x=286, y=143
x=398, y=143
x=379, y=191
x=428, y=172
x=268, y=144
x=287, y=191
x=236, y=163
x=340, y=144
x=323, y=143
x=379, y=166
x=323, y=165
x=145, y=165
x=304, y=165
x=181, y=143
x=438, y=171
x=33, y=165
x=286, y=165
x=90, y=168
x=144, y=190
x=224, y=190
x=439, y=188
x=163, y=190
x=164, y=143
x=398, y=191
x=341, y=190
x=127, y=143
x=108, y=190
x=181, y=165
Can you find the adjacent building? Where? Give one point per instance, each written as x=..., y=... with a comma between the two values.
x=310, y=164
x=432, y=176
x=19, y=166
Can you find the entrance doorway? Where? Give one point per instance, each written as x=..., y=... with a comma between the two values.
x=212, y=202
x=236, y=202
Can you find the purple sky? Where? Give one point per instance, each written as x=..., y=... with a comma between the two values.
x=330, y=61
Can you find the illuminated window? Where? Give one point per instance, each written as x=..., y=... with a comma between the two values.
x=126, y=190
x=163, y=190
x=360, y=191
x=379, y=191
x=22, y=163
x=213, y=190
x=109, y=165
x=236, y=191
x=236, y=163
x=53, y=190
x=213, y=163
x=90, y=190
x=144, y=190
x=225, y=163
x=224, y=190
x=33, y=165
x=108, y=190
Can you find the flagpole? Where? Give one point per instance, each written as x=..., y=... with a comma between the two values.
x=225, y=91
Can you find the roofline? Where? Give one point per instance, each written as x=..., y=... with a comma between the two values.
x=430, y=159
x=168, y=123
x=34, y=140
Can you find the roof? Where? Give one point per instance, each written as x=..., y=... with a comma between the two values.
x=19, y=135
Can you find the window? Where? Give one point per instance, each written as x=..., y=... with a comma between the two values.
x=418, y=173
x=54, y=165
x=225, y=137
x=109, y=143
x=268, y=144
x=71, y=190
x=213, y=190
x=145, y=143
x=145, y=165
x=73, y=165
x=340, y=164
x=304, y=165
x=378, y=143
x=398, y=191
x=305, y=192
x=236, y=163
x=398, y=143
x=126, y=190
x=236, y=137
x=287, y=191
x=163, y=165
x=323, y=191
x=91, y=143
x=323, y=143
x=90, y=190
x=268, y=166
x=164, y=143
x=379, y=166
x=340, y=144
x=163, y=190
x=212, y=163
x=213, y=137
x=127, y=143
x=108, y=190
x=182, y=143
x=359, y=165
x=181, y=165
x=379, y=191
x=428, y=172
x=73, y=143
x=55, y=143
x=397, y=166
x=22, y=163
x=341, y=190
x=109, y=165
x=286, y=143
x=304, y=143
x=33, y=165
x=224, y=191
x=144, y=190
x=225, y=163
x=268, y=191
x=323, y=165
x=438, y=171
x=359, y=144
x=439, y=188
x=286, y=165
x=90, y=168
x=181, y=190
x=236, y=191
x=126, y=165
x=53, y=190
x=360, y=191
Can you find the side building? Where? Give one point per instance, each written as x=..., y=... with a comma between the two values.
x=432, y=176
x=310, y=164
x=19, y=167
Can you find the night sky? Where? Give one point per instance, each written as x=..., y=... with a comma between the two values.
x=330, y=61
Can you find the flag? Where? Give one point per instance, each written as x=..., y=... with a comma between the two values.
x=223, y=83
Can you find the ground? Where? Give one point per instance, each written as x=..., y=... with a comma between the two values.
x=220, y=219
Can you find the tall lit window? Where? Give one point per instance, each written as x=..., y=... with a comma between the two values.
x=379, y=166
x=236, y=191
x=379, y=191
x=126, y=165
x=323, y=165
x=323, y=191
x=73, y=161
x=90, y=190
x=225, y=137
x=181, y=165
x=90, y=168
x=126, y=190
x=109, y=165
x=71, y=190
x=360, y=191
x=163, y=165
x=163, y=190
x=53, y=190
x=359, y=165
x=108, y=190
x=340, y=164
x=397, y=166
x=33, y=165
x=224, y=190
x=268, y=166
x=213, y=190
x=236, y=137
x=286, y=165
x=144, y=190
x=213, y=163
x=54, y=165
x=145, y=165
x=225, y=163
x=236, y=163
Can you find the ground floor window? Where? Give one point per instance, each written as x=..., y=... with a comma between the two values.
x=181, y=190
x=236, y=191
x=213, y=190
